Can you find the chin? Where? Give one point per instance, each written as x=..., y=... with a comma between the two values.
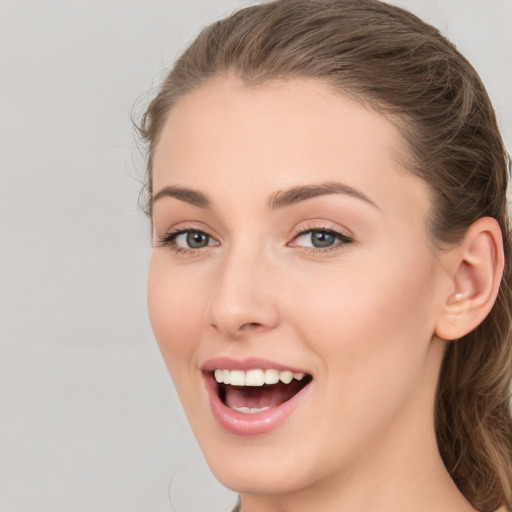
x=278, y=463
x=265, y=478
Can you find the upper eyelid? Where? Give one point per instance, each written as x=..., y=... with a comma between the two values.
x=169, y=240
x=183, y=227
x=344, y=232
x=175, y=231
x=172, y=234
x=344, y=236
x=335, y=233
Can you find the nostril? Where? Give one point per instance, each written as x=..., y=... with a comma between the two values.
x=247, y=328
x=251, y=328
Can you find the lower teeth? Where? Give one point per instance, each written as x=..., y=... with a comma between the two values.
x=247, y=410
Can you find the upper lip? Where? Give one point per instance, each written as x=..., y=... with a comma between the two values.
x=250, y=363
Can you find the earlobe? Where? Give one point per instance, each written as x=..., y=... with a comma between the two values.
x=476, y=270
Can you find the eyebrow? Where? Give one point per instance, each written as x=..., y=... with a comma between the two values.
x=278, y=200
x=186, y=195
x=295, y=195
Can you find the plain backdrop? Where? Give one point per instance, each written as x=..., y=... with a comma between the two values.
x=89, y=421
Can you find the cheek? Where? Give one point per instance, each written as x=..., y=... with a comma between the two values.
x=174, y=311
x=369, y=332
x=370, y=319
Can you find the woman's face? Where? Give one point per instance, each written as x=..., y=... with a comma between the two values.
x=290, y=243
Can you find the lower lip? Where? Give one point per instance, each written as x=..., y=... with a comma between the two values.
x=251, y=424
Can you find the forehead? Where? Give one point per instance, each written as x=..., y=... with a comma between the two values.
x=280, y=134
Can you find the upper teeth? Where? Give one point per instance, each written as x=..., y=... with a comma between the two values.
x=255, y=377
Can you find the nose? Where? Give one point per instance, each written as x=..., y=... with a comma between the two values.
x=244, y=298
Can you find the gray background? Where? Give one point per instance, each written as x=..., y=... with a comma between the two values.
x=88, y=417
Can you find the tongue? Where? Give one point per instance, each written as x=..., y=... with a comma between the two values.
x=259, y=397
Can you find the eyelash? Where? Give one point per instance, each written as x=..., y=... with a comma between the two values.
x=343, y=239
x=169, y=240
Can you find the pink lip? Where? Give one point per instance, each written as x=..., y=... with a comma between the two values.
x=248, y=424
x=227, y=363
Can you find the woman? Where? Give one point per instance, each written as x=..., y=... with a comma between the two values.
x=330, y=280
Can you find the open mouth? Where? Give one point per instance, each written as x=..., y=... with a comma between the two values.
x=258, y=390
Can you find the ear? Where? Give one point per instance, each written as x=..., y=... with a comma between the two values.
x=475, y=270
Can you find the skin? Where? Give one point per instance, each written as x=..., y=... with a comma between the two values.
x=361, y=317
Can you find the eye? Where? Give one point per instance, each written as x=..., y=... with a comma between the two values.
x=320, y=239
x=192, y=240
x=183, y=240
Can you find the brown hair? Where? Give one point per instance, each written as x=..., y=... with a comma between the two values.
x=389, y=59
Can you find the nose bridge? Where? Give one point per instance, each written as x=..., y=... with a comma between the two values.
x=243, y=298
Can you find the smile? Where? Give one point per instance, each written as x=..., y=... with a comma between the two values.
x=256, y=400
x=257, y=390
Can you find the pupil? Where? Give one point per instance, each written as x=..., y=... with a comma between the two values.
x=322, y=239
x=196, y=240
